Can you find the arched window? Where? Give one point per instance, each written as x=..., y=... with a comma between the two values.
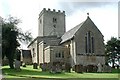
x=89, y=42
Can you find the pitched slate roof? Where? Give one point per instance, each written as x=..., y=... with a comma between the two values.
x=69, y=34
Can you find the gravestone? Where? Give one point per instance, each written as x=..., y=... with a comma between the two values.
x=106, y=68
x=44, y=67
x=79, y=68
x=99, y=68
x=53, y=69
x=84, y=68
x=67, y=67
x=17, y=65
x=24, y=65
x=58, y=68
x=35, y=65
x=90, y=68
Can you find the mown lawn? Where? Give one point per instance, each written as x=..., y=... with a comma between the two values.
x=28, y=73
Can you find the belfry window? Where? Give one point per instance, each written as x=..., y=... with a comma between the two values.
x=89, y=42
x=54, y=20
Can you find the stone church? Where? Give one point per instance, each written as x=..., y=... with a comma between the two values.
x=83, y=44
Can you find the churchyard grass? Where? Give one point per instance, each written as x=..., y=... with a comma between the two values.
x=34, y=74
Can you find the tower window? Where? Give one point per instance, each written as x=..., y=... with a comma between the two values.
x=54, y=26
x=54, y=20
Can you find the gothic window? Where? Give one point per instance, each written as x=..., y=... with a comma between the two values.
x=54, y=20
x=86, y=44
x=92, y=44
x=89, y=42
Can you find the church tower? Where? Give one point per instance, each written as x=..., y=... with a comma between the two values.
x=51, y=23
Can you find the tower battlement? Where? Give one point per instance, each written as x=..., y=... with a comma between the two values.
x=51, y=11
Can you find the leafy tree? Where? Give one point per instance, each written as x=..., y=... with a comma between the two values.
x=11, y=35
x=113, y=51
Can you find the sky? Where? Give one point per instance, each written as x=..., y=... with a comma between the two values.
x=104, y=13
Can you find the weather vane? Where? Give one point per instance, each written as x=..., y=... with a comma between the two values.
x=88, y=14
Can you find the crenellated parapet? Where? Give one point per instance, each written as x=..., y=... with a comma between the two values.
x=51, y=11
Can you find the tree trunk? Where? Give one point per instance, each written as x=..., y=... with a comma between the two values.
x=11, y=63
x=113, y=63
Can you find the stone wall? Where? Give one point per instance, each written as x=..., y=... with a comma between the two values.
x=51, y=51
x=33, y=52
x=90, y=60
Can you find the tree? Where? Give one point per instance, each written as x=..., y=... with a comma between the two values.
x=11, y=35
x=113, y=51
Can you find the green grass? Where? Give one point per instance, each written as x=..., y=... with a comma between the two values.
x=29, y=72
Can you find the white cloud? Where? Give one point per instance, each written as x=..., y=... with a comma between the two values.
x=28, y=11
x=90, y=0
x=1, y=9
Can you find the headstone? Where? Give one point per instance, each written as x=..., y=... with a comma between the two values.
x=0, y=72
x=106, y=68
x=90, y=68
x=53, y=69
x=84, y=68
x=17, y=65
x=24, y=65
x=44, y=67
x=67, y=67
x=99, y=68
x=35, y=65
x=95, y=68
x=58, y=68
x=79, y=68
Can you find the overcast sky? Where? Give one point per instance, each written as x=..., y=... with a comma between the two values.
x=104, y=13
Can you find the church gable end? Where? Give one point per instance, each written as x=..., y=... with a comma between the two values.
x=89, y=39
